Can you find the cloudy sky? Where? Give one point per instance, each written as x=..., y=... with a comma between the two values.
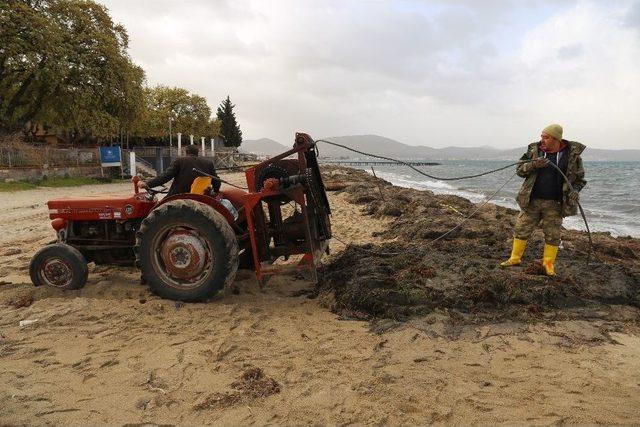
x=434, y=73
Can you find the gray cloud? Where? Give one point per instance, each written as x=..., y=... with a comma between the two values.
x=437, y=73
x=632, y=18
x=570, y=52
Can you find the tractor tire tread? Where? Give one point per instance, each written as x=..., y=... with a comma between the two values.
x=218, y=222
x=77, y=260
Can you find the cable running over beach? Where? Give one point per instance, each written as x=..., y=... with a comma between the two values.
x=584, y=218
x=400, y=162
x=217, y=178
x=442, y=236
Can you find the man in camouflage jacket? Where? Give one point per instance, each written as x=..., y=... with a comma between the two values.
x=545, y=196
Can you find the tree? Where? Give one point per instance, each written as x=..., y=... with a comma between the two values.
x=189, y=113
x=229, y=130
x=64, y=63
x=216, y=126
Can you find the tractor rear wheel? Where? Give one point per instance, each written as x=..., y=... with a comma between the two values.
x=186, y=251
x=59, y=265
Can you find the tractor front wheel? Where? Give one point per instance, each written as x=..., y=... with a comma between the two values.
x=59, y=265
x=186, y=251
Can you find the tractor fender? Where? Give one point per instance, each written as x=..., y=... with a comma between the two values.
x=207, y=200
x=234, y=195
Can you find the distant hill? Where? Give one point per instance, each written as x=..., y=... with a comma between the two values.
x=373, y=144
x=388, y=147
x=391, y=148
x=263, y=147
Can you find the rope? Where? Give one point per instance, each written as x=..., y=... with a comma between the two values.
x=442, y=236
x=584, y=217
x=238, y=167
x=439, y=178
x=478, y=207
x=217, y=178
x=369, y=251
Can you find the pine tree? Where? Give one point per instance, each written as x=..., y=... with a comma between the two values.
x=229, y=131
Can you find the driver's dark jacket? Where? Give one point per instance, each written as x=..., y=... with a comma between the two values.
x=182, y=173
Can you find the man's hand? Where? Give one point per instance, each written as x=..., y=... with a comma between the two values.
x=142, y=185
x=539, y=163
x=573, y=197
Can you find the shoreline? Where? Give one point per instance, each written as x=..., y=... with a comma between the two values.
x=507, y=201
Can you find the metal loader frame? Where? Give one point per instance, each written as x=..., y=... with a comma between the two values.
x=307, y=232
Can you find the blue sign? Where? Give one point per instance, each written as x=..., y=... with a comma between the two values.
x=110, y=156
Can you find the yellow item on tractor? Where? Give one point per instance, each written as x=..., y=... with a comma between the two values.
x=200, y=185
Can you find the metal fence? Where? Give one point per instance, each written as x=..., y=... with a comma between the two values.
x=148, y=151
x=33, y=156
x=30, y=156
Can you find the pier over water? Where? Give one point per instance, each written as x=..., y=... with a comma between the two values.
x=373, y=163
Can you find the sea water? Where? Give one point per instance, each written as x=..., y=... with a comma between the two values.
x=611, y=199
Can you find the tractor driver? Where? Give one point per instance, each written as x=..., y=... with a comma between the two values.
x=182, y=173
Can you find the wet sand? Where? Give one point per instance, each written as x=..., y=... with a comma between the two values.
x=113, y=353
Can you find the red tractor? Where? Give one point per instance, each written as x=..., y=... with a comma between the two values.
x=189, y=246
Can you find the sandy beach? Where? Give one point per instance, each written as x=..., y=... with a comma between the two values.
x=113, y=353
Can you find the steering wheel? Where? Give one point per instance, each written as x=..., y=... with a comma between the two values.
x=151, y=193
x=162, y=190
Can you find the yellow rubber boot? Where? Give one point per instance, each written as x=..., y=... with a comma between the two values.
x=549, y=258
x=516, y=253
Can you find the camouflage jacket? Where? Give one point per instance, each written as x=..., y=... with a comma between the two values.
x=575, y=173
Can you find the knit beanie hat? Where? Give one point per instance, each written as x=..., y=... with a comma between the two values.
x=554, y=131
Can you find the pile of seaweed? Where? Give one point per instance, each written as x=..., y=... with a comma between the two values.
x=410, y=275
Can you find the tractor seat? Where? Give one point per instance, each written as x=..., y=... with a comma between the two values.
x=200, y=185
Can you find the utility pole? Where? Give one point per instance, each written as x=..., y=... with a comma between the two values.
x=170, y=135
